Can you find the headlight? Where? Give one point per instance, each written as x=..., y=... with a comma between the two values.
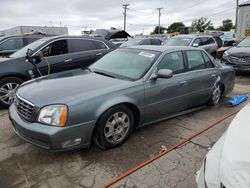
x=53, y=115
x=225, y=54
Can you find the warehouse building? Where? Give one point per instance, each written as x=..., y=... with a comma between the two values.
x=243, y=26
x=20, y=30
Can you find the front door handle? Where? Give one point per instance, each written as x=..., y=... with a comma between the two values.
x=67, y=60
x=99, y=54
x=183, y=83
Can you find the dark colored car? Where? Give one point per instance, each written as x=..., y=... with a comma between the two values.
x=10, y=44
x=60, y=53
x=141, y=41
x=126, y=89
x=239, y=55
x=207, y=42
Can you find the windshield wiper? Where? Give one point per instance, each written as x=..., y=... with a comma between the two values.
x=105, y=74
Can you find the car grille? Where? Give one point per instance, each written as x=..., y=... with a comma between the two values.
x=24, y=108
x=239, y=60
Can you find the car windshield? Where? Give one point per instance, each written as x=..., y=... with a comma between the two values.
x=131, y=42
x=125, y=64
x=177, y=41
x=244, y=43
x=22, y=52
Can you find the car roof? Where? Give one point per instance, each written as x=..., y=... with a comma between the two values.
x=71, y=36
x=191, y=36
x=162, y=48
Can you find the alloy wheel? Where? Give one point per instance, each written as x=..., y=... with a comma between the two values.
x=117, y=127
x=216, y=94
x=7, y=92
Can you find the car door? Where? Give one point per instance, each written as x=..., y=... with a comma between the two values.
x=165, y=97
x=56, y=57
x=84, y=52
x=201, y=77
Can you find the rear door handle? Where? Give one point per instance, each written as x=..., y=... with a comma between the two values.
x=183, y=83
x=67, y=60
x=99, y=54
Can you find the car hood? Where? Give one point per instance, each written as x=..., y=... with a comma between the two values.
x=239, y=51
x=235, y=158
x=68, y=87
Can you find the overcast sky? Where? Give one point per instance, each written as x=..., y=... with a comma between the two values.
x=142, y=15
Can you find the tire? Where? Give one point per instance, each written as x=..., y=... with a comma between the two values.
x=8, y=88
x=216, y=95
x=111, y=131
x=214, y=55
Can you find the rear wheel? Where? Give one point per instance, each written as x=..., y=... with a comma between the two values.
x=114, y=127
x=8, y=88
x=216, y=95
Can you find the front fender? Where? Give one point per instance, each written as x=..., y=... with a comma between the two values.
x=113, y=102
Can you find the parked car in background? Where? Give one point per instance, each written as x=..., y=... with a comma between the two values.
x=126, y=89
x=142, y=41
x=207, y=42
x=239, y=55
x=227, y=164
x=10, y=44
x=61, y=53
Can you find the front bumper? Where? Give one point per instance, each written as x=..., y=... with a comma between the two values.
x=236, y=66
x=51, y=137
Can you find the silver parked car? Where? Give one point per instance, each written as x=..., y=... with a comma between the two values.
x=126, y=89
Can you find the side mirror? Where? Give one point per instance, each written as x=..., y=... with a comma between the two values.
x=163, y=73
x=34, y=59
x=196, y=45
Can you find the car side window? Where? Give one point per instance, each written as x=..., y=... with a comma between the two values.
x=145, y=42
x=208, y=62
x=204, y=41
x=156, y=42
x=82, y=45
x=56, y=48
x=210, y=40
x=173, y=61
x=12, y=44
x=197, y=41
x=195, y=60
x=99, y=45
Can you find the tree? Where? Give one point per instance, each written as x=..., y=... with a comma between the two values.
x=227, y=25
x=201, y=24
x=156, y=30
x=175, y=27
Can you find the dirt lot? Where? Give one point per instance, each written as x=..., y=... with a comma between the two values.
x=24, y=165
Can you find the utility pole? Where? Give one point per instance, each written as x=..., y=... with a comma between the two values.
x=125, y=7
x=236, y=16
x=159, y=27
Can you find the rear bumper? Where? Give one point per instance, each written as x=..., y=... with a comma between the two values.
x=51, y=137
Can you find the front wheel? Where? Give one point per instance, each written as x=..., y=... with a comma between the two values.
x=114, y=127
x=8, y=88
x=216, y=95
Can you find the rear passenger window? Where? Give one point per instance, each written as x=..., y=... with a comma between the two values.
x=210, y=40
x=99, y=45
x=208, y=62
x=81, y=45
x=56, y=48
x=172, y=61
x=195, y=60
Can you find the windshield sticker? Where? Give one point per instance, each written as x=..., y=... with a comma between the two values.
x=146, y=54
